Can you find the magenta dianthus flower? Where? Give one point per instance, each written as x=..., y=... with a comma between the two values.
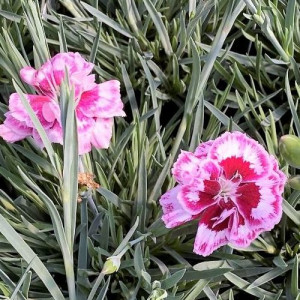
x=97, y=104
x=232, y=185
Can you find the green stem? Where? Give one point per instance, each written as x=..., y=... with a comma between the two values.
x=69, y=267
x=96, y=285
x=68, y=255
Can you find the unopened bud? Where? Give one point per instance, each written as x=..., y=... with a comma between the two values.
x=289, y=146
x=158, y=294
x=294, y=182
x=258, y=19
x=111, y=265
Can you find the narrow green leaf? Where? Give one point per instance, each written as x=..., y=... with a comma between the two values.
x=195, y=86
x=36, y=159
x=221, y=116
x=26, y=284
x=290, y=14
x=10, y=16
x=152, y=90
x=82, y=250
x=10, y=284
x=172, y=280
x=243, y=284
x=268, y=277
x=138, y=260
x=291, y=104
x=160, y=180
x=106, y=20
x=103, y=291
x=62, y=37
x=197, y=289
x=291, y=212
x=130, y=91
x=71, y=160
x=127, y=237
x=161, y=29
x=22, y=279
x=30, y=257
x=141, y=201
x=295, y=278
x=95, y=44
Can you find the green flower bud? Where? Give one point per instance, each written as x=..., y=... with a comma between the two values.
x=294, y=182
x=111, y=265
x=289, y=146
x=258, y=19
x=158, y=294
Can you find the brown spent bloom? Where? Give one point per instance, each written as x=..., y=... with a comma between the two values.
x=87, y=179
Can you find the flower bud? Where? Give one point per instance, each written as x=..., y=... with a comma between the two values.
x=289, y=146
x=294, y=182
x=111, y=265
x=158, y=294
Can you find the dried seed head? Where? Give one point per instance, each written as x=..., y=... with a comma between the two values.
x=87, y=180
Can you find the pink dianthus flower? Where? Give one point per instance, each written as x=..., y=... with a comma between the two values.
x=232, y=185
x=97, y=104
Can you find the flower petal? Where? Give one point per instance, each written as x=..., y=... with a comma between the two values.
x=277, y=176
x=203, y=149
x=50, y=75
x=238, y=153
x=186, y=168
x=45, y=115
x=260, y=204
x=173, y=213
x=102, y=132
x=198, y=196
x=28, y=75
x=103, y=101
x=240, y=234
x=85, y=127
x=12, y=130
x=55, y=133
x=51, y=111
x=46, y=109
x=210, y=237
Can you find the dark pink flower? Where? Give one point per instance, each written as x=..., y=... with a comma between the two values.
x=97, y=104
x=232, y=185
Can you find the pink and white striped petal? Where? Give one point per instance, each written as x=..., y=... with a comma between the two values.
x=198, y=196
x=28, y=75
x=173, y=213
x=260, y=204
x=186, y=168
x=236, y=152
x=277, y=176
x=203, y=149
x=85, y=127
x=102, y=132
x=55, y=134
x=239, y=233
x=13, y=130
x=210, y=237
x=103, y=101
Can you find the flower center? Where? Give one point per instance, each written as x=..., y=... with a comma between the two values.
x=228, y=190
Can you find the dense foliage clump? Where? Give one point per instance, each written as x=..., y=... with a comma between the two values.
x=189, y=70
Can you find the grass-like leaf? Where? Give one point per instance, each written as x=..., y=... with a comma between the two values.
x=30, y=257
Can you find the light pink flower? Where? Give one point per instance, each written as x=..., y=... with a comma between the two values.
x=97, y=104
x=232, y=185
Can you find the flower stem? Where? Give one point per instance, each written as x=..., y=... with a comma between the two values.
x=96, y=285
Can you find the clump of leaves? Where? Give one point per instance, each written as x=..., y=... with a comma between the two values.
x=189, y=71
